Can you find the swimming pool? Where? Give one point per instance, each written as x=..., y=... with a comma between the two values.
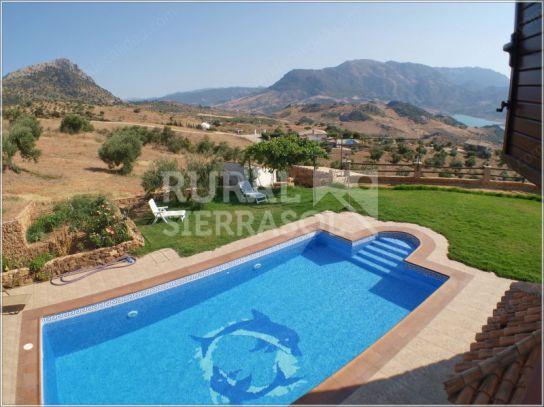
x=263, y=329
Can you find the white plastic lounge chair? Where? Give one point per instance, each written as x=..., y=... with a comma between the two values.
x=250, y=193
x=162, y=212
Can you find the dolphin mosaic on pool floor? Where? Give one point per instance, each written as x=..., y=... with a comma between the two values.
x=270, y=337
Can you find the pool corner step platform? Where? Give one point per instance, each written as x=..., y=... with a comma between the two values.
x=385, y=256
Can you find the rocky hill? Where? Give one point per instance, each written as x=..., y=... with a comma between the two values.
x=59, y=80
x=448, y=90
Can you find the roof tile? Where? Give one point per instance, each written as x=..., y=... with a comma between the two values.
x=501, y=361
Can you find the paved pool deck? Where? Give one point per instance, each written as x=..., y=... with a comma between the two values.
x=411, y=373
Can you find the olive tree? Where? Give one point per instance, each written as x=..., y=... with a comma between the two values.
x=22, y=137
x=121, y=149
x=74, y=123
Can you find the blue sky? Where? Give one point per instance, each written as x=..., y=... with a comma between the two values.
x=142, y=50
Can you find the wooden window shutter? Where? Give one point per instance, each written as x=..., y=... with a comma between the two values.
x=523, y=131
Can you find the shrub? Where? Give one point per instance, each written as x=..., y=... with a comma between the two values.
x=37, y=263
x=121, y=149
x=456, y=164
x=152, y=179
x=45, y=224
x=395, y=158
x=43, y=275
x=484, y=154
x=421, y=150
x=9, y=264
x=470, y=161
x=103, y=228
x=73, y=123
x=437, y=146
x=201, y=171
x=39, y=112
x=205, y=146
x=177, y=144
x=402, y=148
x=376, y=153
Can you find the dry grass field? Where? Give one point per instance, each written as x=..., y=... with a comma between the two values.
x=69, y=165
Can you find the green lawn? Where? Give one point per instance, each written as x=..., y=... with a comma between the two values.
x=494, y=233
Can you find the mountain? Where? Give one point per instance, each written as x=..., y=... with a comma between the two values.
x=437, y=89
x=474, y=77
x=211, y=96
x=60, y=79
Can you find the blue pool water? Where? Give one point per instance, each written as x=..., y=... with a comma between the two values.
x=248, y=334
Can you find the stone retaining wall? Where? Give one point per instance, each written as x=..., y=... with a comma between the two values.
x=97, y=257
x=303, y=175
x=14, y=245
x=16, y=249
x=16, y=277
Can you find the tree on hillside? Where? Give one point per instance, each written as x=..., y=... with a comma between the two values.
x=470, y=161
x=395, y=158
x=421, y=150
x=121, y=149
x=280, y=153
x=376, y=153
x=73, y=123
x=22, y=137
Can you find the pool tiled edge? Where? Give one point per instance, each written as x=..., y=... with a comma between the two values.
x=334, y=389
x=175, y=283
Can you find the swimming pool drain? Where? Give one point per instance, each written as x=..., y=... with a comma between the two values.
x=132, y=314
x=257, y=266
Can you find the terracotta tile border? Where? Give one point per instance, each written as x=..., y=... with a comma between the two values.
x=334, y=389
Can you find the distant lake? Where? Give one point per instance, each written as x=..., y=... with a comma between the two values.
x=474, y=121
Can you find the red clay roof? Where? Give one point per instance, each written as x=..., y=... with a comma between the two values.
x=501, y=362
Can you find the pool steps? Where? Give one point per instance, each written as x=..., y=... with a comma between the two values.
x=385, y=256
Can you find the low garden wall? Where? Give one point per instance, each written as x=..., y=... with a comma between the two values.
x=16, y=249
x=96, y=257
x=303, y=175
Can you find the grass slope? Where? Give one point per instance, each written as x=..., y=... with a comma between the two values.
x=495, y=233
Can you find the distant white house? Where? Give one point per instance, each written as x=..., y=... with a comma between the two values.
x=314, y=134
x=205, y=126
